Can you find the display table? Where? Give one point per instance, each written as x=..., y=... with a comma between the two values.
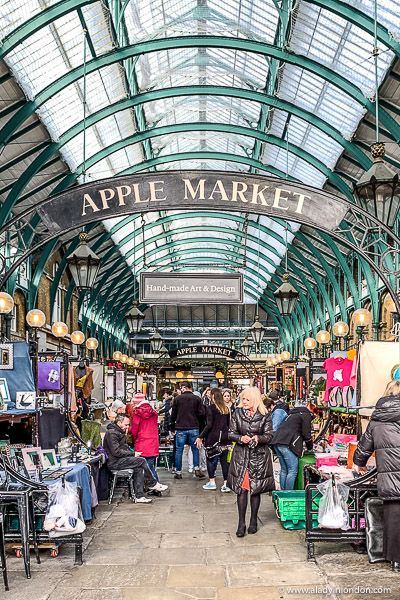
x=361, y=488
x=14, y=413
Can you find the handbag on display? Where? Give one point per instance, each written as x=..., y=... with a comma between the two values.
x=49, y=376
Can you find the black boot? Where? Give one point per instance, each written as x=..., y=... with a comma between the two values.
x=241, y=530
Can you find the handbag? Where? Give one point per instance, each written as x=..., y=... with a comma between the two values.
x=216, y=449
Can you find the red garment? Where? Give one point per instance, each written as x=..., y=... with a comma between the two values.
x=144, y=429
x=338, y=371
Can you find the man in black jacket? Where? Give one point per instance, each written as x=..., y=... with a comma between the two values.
x=120, y=456
x=186, y=416
x=288, y=441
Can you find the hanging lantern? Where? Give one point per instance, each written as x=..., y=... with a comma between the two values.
x=245, y=347
x=136, y=363
x=117, y=355
x=59, y=329
x=36, y=318
x=77, y=337
x=286, y=296
x=323, y=337
x=6, y=303
x=84, y=264
x=156, y=342
x=340, y=329
x=378, y=190
x=92, y=343
x=285, y=355
x=257, y=331
x=179, y=375
x=131, y=361
x=310, y=343
x=124, y=359
x=135, y=319
x=361, y=317
x=219, y=375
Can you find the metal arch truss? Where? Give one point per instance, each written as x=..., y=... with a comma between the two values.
x=359, y=231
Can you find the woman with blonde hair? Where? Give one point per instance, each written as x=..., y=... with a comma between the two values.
x=251, y=464
x=382, y=436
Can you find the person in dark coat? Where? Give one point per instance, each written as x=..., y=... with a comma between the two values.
x=289, y=440
x=120, y=456
x=186, y=418
x=382, y=436
x=251, y=463
x=214, y=433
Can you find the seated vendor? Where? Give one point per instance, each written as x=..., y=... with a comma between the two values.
x=120, y=456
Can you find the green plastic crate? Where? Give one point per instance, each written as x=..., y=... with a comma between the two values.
x=290, y=508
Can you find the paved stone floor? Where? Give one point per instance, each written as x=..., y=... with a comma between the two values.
x=183, y=547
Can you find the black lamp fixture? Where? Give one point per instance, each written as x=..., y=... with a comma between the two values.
x=135, y=319
x=286, y=296
x=257, y=332
x=156, y=342
x=246, y=346
x=84, y=264
x=378, y=190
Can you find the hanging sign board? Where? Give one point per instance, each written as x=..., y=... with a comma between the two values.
x=191, y=288
x=204, y=349
x=192, y=190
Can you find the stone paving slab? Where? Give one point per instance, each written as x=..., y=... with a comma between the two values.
x=183, y=547
x=197, y=576
x=195, y=540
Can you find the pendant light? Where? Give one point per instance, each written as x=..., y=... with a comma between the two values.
x=84, y=264
x=257, y=330
x=378, y=190
x=134, y=317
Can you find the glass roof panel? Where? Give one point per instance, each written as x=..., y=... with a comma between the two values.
x=316, y=33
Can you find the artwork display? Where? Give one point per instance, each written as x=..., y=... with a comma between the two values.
x=31, y=456
x=25, y=400
x=6, y=357
x=48, y=459
x=4, y=391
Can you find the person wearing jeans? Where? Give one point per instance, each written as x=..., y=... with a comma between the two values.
x=183, y=437
x=289, y=440
x=289, y=466
x=215, y=437
x=186, y=417
x=144, y=429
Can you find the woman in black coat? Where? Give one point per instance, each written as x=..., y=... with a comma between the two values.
x=215, y=433
x=251, y=463
x=382, y=436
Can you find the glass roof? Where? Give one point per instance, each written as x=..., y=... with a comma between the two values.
x=254, y=246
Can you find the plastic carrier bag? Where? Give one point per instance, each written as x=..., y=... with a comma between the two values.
x=64, y=513
x=333, y=512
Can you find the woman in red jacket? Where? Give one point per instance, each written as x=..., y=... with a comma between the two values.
x=144, y=429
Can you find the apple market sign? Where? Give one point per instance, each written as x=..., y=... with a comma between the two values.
x=191, y=190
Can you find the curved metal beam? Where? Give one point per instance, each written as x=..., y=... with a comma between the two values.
x=267, y=50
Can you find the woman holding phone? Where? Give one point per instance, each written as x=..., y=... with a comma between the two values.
x=251, y=472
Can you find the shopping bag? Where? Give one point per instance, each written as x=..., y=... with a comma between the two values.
x=333, y=512
x=64, y=513
x=230, y=452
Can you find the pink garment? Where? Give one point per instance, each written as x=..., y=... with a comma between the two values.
x=338, y=371
x=353, y=376
x=144, y=428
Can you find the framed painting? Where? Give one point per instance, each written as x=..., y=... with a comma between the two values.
x=6, y=357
